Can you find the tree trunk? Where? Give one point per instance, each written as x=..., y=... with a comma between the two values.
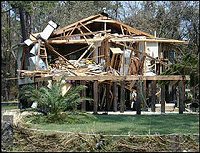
x=23, y=22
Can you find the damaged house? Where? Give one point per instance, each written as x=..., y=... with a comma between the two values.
x=118, y=63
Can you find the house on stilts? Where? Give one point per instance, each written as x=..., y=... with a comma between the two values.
x=118, y=63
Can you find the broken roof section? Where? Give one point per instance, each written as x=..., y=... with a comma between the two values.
x=97, y=45
x=94, y=21
x=100, y=24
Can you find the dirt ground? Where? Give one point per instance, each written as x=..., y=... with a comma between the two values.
x=26, y=140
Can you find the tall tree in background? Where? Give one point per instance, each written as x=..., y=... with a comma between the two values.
x=25, y=19
x=170, y=19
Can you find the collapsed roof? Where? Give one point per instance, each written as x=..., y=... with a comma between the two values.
x=97, y=39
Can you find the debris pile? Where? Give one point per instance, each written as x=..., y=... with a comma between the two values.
x=27, y=140
x=84, y=68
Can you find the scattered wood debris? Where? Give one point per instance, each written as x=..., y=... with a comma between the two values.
x=27, y=140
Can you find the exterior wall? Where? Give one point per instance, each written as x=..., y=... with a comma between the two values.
x=127, y=54
x=152, y=50
x=19, y=64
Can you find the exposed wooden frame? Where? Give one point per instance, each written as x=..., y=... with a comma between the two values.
x=84, y=54
x=136, y=52
x=86, y=27
x=129, y=29
x=59, y=31
x=73, y=29
x=52, y=49
x=83, y=34
x=75, y=35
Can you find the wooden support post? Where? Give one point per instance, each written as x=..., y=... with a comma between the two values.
x=95, y=90
x=162, y=98
x=153, y=95
x=122, y=96
x=145, y=91
x=83, y=94
x=108, y=100
x=138, y=99
x=103, y=90
x=181, y=96
x=115, y=94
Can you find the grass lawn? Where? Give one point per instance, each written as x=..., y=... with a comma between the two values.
x=131, y=124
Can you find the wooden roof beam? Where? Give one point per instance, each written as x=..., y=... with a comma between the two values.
x=74, y=41
x=59, y=31
x=85, y=34
x=147, y=40
x=86, y=27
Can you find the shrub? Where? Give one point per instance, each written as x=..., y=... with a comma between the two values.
x=52, y=102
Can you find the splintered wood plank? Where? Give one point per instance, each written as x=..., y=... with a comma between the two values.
x=95, y=90
x=122, y=97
